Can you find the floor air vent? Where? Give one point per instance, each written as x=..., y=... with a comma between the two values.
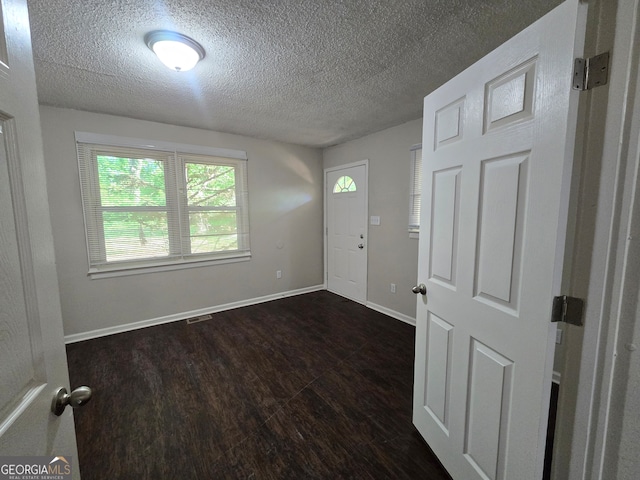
x=199, y=318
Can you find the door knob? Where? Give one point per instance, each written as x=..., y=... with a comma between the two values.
x=361, y=246
x=77, y=398
x=421, y=289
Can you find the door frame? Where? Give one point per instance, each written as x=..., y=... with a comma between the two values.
x=325, y=228
x=589, y=411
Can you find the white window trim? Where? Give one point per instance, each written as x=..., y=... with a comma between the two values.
x=174, y=263
x=165, y=266
x=414, y=229
x=115, y=141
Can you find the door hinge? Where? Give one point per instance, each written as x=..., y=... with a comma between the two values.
x=591, y=72
x=567, y=309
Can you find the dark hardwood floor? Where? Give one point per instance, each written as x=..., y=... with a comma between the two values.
x=307, y=387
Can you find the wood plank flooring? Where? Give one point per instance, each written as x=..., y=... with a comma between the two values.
x=307, y=387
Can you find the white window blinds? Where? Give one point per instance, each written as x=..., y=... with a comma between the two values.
x=157, y=205
x=415, y=187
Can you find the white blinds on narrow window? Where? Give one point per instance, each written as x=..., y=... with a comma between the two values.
x=415, y=187
x=146, y=207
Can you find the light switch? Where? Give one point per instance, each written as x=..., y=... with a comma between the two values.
x=375, y=220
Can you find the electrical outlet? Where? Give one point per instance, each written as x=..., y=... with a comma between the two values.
x=278, y=273
x=393, y=288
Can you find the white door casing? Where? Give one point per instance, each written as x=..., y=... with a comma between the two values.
x=497, y=150
x=346, y=231
x=33, y=362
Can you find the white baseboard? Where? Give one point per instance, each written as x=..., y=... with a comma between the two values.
x=102, y=332
x=392, y=313
x=340, y=294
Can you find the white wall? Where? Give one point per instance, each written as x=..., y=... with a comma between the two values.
x=285, y=198
x=392, y=255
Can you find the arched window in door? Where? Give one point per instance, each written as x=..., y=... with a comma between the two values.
x=344, y=184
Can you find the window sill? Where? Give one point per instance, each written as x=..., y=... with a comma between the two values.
x=121, y=270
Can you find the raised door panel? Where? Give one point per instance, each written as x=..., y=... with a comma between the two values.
x=444, y=228
x=509, y=98
x=501, y=211
x=437, y=394
x=488, y=411
x=449, y=124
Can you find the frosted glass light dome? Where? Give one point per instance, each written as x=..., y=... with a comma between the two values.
x=178, y=52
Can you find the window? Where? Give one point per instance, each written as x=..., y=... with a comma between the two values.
x=155, y=205
x=415, y=187
x=345, y=184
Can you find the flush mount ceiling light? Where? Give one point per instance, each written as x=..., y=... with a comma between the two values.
x=178, y=52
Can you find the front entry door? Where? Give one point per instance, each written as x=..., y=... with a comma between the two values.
x=497, y=152
x=346, y=217
x=32, y=357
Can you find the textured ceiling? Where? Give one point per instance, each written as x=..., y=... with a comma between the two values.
x=310, y=72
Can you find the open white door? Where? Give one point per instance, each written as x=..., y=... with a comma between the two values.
x=33, y=362
x=497, y=151
x=346, y=227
